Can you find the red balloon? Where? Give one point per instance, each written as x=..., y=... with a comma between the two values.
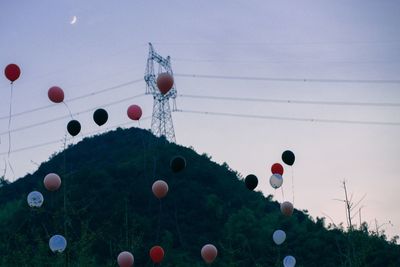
x=287, y=208
x=134, y=112
x=165, y=81
x=52, y=182
x=12, y=72
x=277, y=169
x=125, y=259
x=157, y=254
x=56, y=94
x=209, y=253
x=160, y=188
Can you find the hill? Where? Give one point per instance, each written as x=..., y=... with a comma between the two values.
x=105, y=205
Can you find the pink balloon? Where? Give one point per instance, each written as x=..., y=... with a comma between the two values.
x=125, y=259
x=209, y=253
x=287, y=208
x=56, y=94
x=165, y=81
x=160, y=188
x=134, y=112
x=52, y=182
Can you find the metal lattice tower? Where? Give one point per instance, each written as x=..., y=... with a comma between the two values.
x=161, y=122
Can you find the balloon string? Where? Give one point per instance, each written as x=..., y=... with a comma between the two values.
x=293, y=185
x=9, y=128
x=154, y=175
x=279, y=256
x=65, y=186
x=126, y=223
x=5, y=168
x=159, y=221
x=154, y=166
x=144, y=150
x=283, y=194
x=70, y=113
x=11, y=167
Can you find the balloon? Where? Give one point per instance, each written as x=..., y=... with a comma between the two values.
x=251, y=181
x=52, y=182
x=35, y=199
x=276, y=180
x=209, y=253
x=74, y=127
x=12, y=72
x=160, y=188
x=288, y=157
x=100, y=116
x=56, y=94
x=125, y=259
x=134, y=112
x=279, y=237
x=287, y=208
x=289, y=261
x=277, y=169
x=157, y=254
x=165, y=81
x=57, y=243
x=177, y=163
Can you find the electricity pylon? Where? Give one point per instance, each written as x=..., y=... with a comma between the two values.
x=161, y=122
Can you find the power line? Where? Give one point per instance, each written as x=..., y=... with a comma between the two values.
x=106, y=89
x=273, y=61
x=75, y=98
x=236, y=78
x=85, y=63
x=252, y=78
x=62, y=139
x=289, y=101
x=289, y=118
x=375, y=42
x=68, y=116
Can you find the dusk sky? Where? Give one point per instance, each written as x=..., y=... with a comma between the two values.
x=327, y=40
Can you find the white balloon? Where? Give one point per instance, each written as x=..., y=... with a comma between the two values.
x=289, y=261
x=57, y=243
x=35, y=199
x=279, y=237
x=276, y=180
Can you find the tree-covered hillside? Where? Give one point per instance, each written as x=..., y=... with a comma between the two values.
x=105, y=205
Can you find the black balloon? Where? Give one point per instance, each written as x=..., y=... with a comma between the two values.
x=100, y=116
x=178, y=163
x=288, y=157
x=74, y=127
x=251, y=181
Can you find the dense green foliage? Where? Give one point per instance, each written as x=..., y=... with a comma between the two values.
x=105, y=205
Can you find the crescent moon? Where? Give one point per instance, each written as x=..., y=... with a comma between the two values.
x=74, y=19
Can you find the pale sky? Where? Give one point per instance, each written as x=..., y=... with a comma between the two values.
x=107, y=46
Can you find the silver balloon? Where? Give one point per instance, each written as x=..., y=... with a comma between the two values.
x=57, y=243
x=276, y=180
x=35, y=199
x=289, y=261
x=279, y=237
